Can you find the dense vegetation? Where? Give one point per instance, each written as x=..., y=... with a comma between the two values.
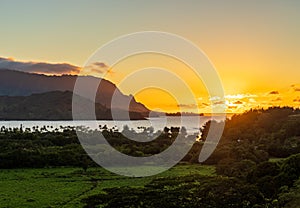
x=268, y=184
x=55, y=105
x=249, y=171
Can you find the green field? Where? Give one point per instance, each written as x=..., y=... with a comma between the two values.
x=66, y=187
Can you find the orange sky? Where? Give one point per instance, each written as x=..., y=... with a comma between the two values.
x=254, y=45
x=242, y=90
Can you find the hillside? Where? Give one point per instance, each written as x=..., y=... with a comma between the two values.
x=16, y=83
x=54, y=105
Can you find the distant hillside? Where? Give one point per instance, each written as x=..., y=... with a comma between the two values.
x=55, y=105
x=16, y=83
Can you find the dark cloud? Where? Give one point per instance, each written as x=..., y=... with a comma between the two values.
x=238, y=102
x=277, y=99
x=98, y=67
x=38, y=67
x=273, y=93
x=297, y=100
x=296, y=87
x=100, y=64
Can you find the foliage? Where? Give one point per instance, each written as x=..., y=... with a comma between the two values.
x=240, y=171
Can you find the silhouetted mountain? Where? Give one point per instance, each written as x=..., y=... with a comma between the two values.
x=16, y=83
x=54, y=105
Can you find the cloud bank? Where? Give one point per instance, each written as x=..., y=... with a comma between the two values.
x=38, y=67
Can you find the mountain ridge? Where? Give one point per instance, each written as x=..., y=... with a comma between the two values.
x=55, y=105
x=21, y=84
x=18, y=83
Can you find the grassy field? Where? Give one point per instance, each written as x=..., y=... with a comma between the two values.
x=66, y=187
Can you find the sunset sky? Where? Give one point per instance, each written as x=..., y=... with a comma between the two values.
x=254, y=45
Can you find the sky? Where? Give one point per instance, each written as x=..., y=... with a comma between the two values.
x=254, y=45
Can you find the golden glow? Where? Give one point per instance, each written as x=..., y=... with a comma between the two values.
x=241, y=94
x=177, y=88
x=170, y=75
x=165, y=102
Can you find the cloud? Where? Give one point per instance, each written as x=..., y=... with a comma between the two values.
x=240, y=96
x=100, y=64
x=251, y=100
x=238, y=102
x=214, y=98
x=38, y=67
x=189, y=106
x=232, y=107
x=297, y=100
x=217, y=100
x=277, y=99
x=273, y=93
x=219, y=103
x=296, y=87
x=98, y=67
